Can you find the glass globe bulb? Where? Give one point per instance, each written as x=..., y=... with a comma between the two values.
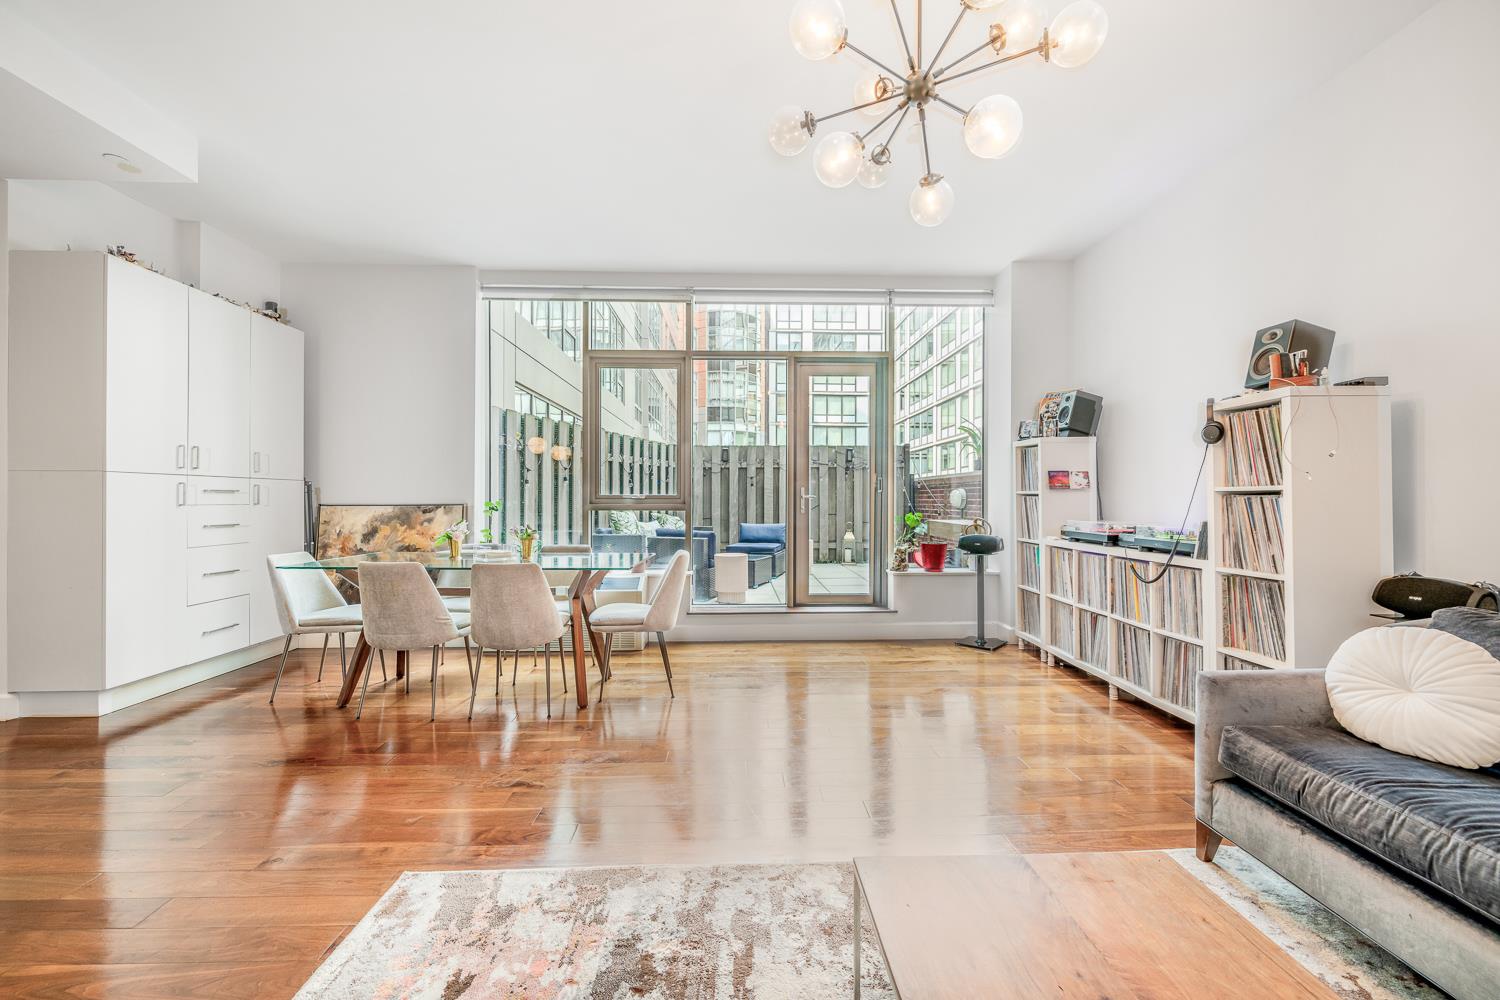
x=837, y=158
x=1078, y=33
x=787, y=135
x=931, y=202
x=993, y=127
x=872, y=87
x=818, y=28
x=1023, y=21
x=873, y=175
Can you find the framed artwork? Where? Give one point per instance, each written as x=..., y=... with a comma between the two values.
x=344, y=529
x=1059, y=479
x=1079, y=480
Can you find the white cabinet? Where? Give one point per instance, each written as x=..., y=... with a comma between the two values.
x=145, y=577
x=146, y=371
x=218, y=387
x=276, y=519
x=275, y=399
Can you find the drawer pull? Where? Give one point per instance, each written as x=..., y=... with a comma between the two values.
x=221, y=572
x=227, y=524
x=221, y=491
x=221, y=628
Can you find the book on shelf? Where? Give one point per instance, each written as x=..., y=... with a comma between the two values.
x=1251, y=533
x=1031, y=565
x=1030, y=463
x=1093, y=580
x=1031, y=518
x=1093, y=639
x=1131, y=591
x=1254, y=447
x=1182, y=601
x=1060, y=581
x=1180, y=664
x=1254, y=615
x=1133, y=656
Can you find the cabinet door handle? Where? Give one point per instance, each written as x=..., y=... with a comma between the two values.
x=221, y=572
x=255, y=494
x=221, y=628
x=181, y=494
x=194, y=452
x=255, y=460
x=230, y=524
x=181, y=455
x=221, y=491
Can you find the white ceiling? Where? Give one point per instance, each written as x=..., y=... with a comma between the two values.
x=603, y=135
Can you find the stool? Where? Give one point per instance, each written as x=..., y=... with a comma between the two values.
x=732, y=577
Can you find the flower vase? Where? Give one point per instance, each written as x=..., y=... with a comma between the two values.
x=455, y=548
x=526, y=544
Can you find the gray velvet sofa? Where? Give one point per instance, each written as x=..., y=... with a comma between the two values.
x=1405, y=850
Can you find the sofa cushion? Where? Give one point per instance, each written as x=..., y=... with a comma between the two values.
x=763, y=533
x=1440, y=824
x=1480, y=627
x=755, y=548
x=1419, y=691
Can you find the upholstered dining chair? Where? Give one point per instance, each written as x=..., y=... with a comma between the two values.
x=403, y=611
x=308, y=603
x=658, y=616
x=514, y=608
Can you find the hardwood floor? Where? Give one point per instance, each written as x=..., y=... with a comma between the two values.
x=208, y=844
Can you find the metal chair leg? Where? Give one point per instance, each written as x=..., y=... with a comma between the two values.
x=435, y=649
x=322, y=656
x=549, y=677
x=343, y=657
x=515, y=669
x=408, y=671
x=468, y=656
x=562, y=665
x=474, y=683
x=661, y=642
x=279, y=670
x=363, y=691
x=383, y=675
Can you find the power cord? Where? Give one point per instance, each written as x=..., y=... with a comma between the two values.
x=1202, y=464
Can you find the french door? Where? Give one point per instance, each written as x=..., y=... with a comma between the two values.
x=837, y=418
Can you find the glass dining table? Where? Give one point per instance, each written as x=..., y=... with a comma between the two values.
x=589, y=569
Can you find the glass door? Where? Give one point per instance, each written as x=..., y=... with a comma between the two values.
x=838, y=458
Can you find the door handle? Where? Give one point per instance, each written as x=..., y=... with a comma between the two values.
x=221, y=572
x=194, y=452
x=181, y=455
x=221, y=628
x=255, y=494
x=181, y=494
x=232, y=524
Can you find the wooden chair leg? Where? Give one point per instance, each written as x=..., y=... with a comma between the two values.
x=1206, y=842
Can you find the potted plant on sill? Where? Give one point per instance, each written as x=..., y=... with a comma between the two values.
x=916, y=528
x=525, y=536
x=454, y=536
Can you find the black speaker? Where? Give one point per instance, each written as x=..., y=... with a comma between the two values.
x=1078, y=413
x=1285, y=338
x=1414, y=596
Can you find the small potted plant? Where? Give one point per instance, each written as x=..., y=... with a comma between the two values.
x=525, y=537
x=491, y=508
x=916, y=528
x=455, y=536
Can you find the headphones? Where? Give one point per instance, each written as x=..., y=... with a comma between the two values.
x=1213, y=431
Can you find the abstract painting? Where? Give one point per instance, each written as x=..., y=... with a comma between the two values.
x=344, y=529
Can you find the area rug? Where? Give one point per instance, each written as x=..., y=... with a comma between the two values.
x=738, y=932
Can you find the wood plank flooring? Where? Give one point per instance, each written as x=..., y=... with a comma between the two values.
x=207, y=844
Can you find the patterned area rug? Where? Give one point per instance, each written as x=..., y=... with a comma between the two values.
x=747, y=932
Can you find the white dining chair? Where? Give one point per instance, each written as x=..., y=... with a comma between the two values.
x=514, y=608
x=659, y=616
x=307, y=603
x=403, y=611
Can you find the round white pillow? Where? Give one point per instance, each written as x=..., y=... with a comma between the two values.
x=1421, y=692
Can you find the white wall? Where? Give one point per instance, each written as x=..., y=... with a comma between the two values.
x=391, y=387
x=9, y=708
x=1372, y=207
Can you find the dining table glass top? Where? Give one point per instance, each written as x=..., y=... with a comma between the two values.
x=582, y=561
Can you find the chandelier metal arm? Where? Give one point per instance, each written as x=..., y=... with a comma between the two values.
x=962, y=10
x=1042, y=48
x=918, y=63
x=926, y=153
x=950, y=104
x=899, y=121
x=868, y=104
x=901, y=30
x=901, y=107
x=964, y=58
x=861, y=52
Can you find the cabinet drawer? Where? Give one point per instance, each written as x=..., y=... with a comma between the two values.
x=217, y=526
x=211, y=490
x=215, y=628
x=218, y=571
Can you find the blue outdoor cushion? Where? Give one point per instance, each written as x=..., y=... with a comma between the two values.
x=756, y=548
x=764, y=533
x=1440, y=824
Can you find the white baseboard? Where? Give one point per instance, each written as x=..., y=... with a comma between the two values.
x=830, y=627
x=91, y=704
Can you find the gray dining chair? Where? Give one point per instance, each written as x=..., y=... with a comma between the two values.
x=659, y=616
x=403, y=611
x=307, y=603
x=514, y=608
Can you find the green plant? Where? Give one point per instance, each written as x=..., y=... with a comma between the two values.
x=973, y=440
x=491, y=508
x=523, y=532
x=458, y=533
x=916, y=527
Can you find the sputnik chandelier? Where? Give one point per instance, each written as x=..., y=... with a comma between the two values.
x=991, y=127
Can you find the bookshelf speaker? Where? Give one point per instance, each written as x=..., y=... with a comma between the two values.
x=1284, y=338
x=1078, y=413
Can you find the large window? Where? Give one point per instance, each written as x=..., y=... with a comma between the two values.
x=939, y=386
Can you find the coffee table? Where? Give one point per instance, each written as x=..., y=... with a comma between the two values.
x=1124, y=926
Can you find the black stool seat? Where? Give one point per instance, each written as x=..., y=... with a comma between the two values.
x=979, y=545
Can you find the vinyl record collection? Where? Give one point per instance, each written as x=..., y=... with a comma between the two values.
x=1031, y=614
x=1252, y=532
x=1060, y=579
x=1031, y=565
x=1061, y=624
x=1029, y=475
x=1254, y=441
x=1131, y=594
x=1180, y=664
x=1093, y=581
x=1181, y=602
x=1031, y=519
x=1254, y=615
x=1235, y=663
x=1093, y=639
x=1133, y=656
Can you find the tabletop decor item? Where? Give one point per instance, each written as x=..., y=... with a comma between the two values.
x=454, y=536
x=916, y=528
x=525, y=536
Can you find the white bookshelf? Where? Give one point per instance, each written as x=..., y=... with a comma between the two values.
x=1151, y=620
x=1334, y=497
x=1052, y=508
